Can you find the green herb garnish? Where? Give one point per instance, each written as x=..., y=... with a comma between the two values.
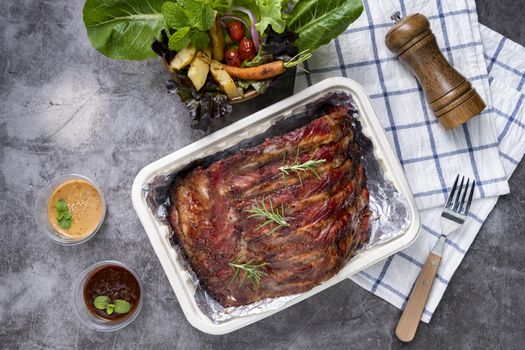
x=191, y=20
x=63, y=214
x=297, y=167
x=119, y=306
x=122, y=306
x=252, y=271
x=101, y=302
x=260, y=210
x=124, y=29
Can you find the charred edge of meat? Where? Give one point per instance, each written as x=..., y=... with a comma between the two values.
x=210, y=248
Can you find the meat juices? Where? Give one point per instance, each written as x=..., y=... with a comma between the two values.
x=328, y=214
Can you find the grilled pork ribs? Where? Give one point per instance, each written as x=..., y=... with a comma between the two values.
x=276, y=219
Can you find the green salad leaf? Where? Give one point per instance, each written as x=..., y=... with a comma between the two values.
x=271, y=14
x=123, y=29
x=220, y=6
x=198, y=14
x=191, y=20
x=267, y=12
x=200, y=40
x=180, y=39
x=319, y=21
x=174, y=15
x=258, y=85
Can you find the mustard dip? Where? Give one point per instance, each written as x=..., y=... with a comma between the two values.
x=85, y=206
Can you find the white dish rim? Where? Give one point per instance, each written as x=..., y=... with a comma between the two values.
x=252, y=125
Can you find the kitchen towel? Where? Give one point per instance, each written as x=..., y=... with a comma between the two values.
x=488, y=148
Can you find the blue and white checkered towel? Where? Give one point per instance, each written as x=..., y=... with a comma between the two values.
x=488, y=148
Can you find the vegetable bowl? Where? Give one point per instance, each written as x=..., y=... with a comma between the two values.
x=217, y=52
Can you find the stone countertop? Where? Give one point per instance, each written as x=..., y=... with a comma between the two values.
x=67, y=109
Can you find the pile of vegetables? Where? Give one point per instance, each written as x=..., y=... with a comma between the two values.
x=217, y=50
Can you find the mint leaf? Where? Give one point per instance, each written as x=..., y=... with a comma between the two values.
x=174, y=15
x=65, y=223
x=110, y=308
x=101, y=302
x=200, y=40
x=190, y=6
x=219, y=5
x=203, y=19
x=122, y=306
x=63, y=214
x=180, y=39
x=200, y=16
x=62, y=206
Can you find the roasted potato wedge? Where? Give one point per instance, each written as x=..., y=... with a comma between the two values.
x=199, y=68
x=183, y=58
x=223, y=79
x=217, y=40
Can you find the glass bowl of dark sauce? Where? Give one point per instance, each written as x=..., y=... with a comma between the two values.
x=108, y=296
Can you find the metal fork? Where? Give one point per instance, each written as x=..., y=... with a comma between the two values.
x=452, y=217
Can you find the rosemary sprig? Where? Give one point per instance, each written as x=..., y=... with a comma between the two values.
x=270, y=214
x=252, y=271
x=297, y=167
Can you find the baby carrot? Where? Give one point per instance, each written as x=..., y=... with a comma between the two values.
x=268, y=70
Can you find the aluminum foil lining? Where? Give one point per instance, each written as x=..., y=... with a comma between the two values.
x=390, y=210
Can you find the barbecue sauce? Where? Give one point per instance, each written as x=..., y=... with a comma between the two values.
x=115, y=282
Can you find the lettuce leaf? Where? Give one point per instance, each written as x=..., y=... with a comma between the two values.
x=220, y=6
x=271, y=14
x=123, y=29
x=319, y=21
x=267, y=12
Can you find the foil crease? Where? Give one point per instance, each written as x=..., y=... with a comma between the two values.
x=390, y=210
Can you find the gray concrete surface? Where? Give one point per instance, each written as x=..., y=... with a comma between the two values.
x=64, y=108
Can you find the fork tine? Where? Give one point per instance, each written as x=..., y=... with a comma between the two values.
x=456, y=199
x=462, y=204
x=469, y=201
x=451, y=195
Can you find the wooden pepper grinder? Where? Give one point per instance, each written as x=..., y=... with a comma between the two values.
x=450, y=94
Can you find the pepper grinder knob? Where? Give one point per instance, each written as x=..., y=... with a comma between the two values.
x=450, y=95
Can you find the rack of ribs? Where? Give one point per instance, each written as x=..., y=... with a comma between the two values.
x=325, y=209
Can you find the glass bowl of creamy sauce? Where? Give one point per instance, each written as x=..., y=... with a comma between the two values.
x=70, y=209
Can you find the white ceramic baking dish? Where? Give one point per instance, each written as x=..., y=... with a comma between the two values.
x=248, y=127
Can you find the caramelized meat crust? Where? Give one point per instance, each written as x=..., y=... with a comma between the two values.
x=326, y=211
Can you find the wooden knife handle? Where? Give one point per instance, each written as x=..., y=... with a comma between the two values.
x=409, y=321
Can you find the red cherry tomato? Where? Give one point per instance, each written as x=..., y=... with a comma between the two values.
x=236, y=30
x=233, y=58
x=246, y=49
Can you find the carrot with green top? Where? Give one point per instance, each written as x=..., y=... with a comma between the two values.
x=268, y=70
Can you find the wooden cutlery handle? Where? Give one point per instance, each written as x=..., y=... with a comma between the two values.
x=409, y=321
